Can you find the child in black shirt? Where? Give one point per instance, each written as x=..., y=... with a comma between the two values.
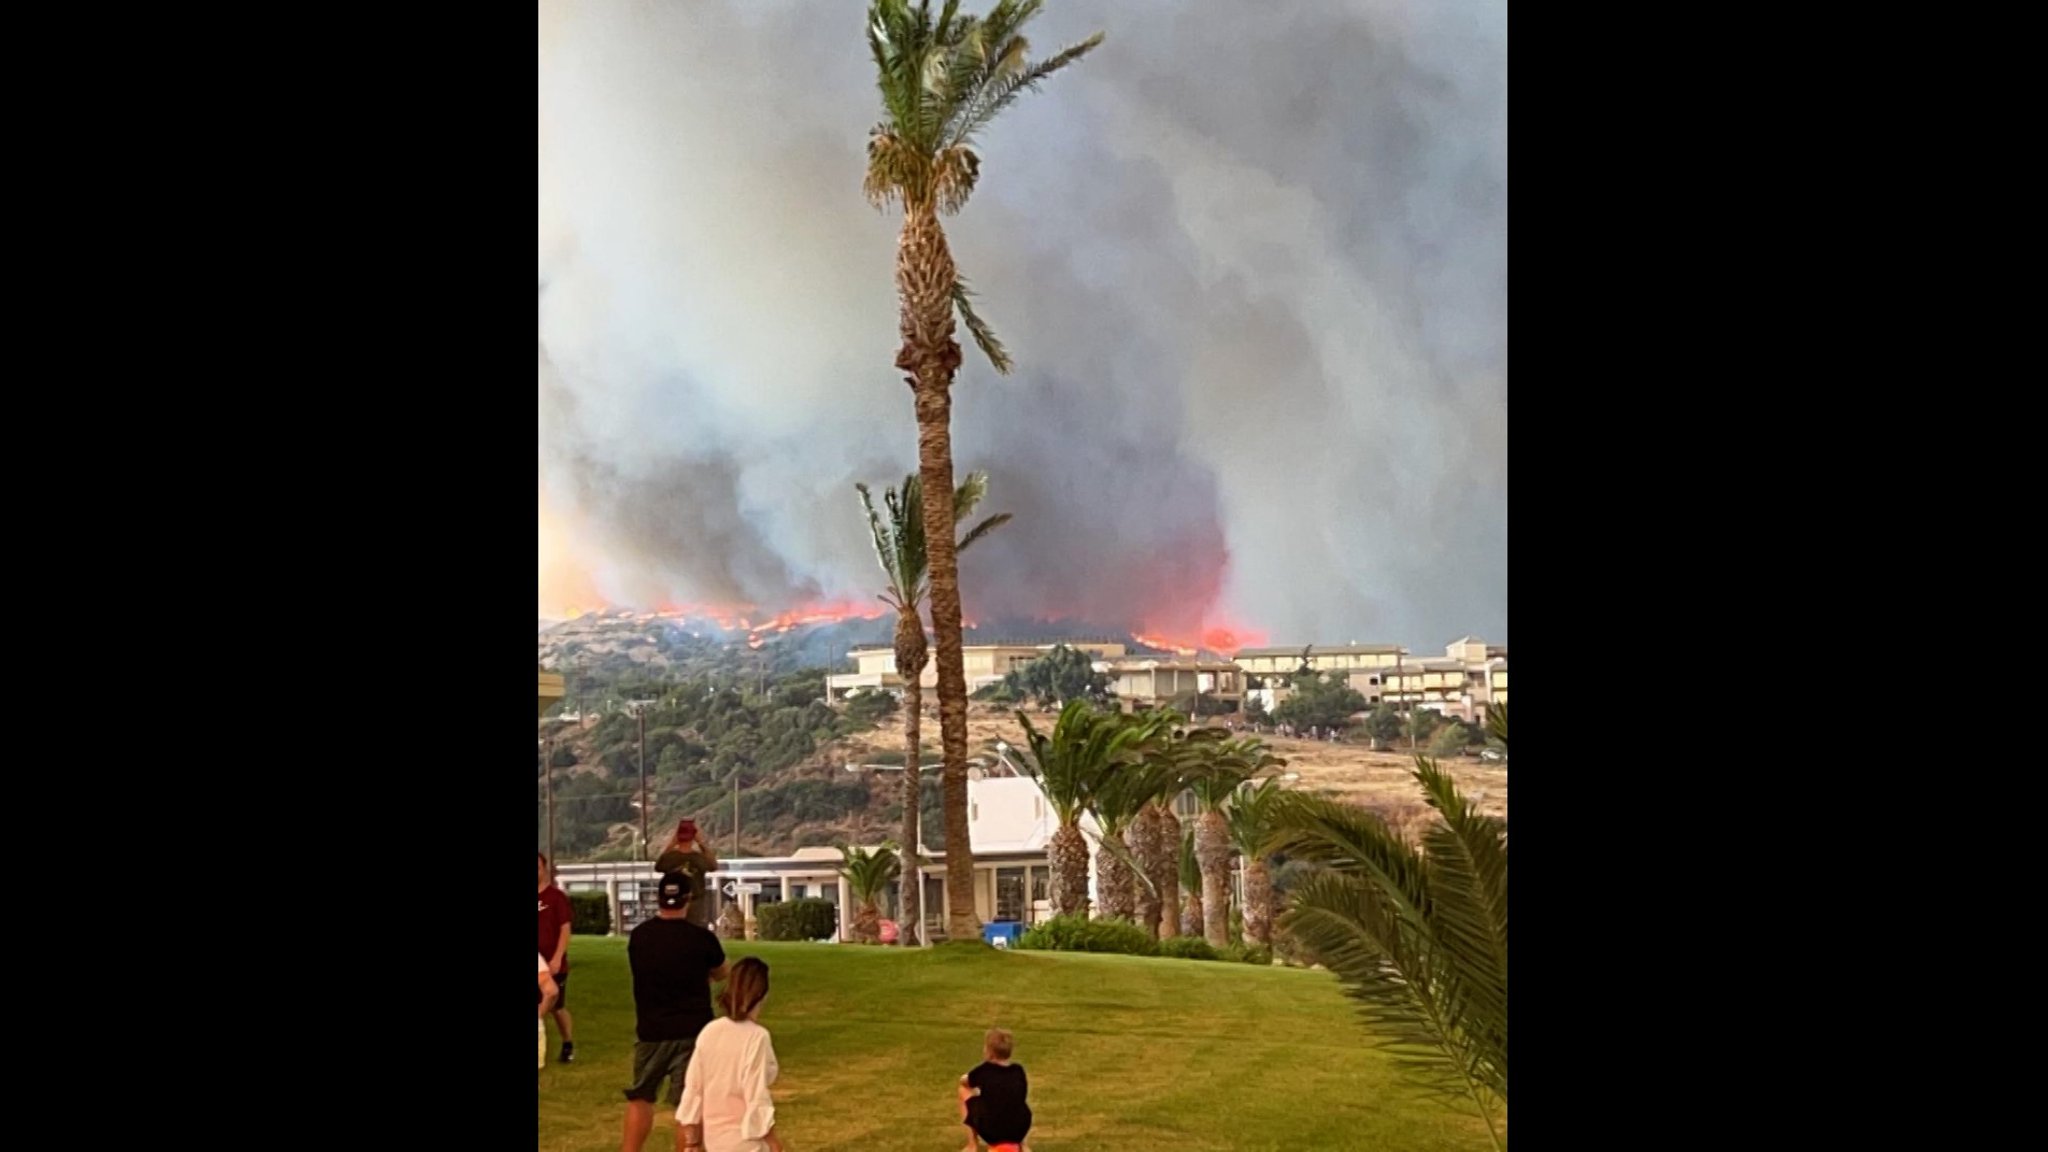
x=992, y=1099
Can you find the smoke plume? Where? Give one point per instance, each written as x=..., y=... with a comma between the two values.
x=1252, y=264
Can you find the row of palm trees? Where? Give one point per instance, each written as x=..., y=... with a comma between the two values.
x=1127, y=770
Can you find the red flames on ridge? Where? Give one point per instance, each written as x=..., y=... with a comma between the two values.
x=758, y=624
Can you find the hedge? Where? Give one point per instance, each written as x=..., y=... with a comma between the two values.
x=798, y=920
x=1187, y=948
x=590, y=914
x=1076, y=933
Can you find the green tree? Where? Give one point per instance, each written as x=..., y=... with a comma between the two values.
x=1384, y=725
x=1319, y=701
x=943, y=81
x=900, y=548
x=869, y=875
x=1215, y=773
x=1417, y=934
x=1060, y=675
x=1251, y=825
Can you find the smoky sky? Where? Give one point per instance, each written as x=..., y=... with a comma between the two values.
x=1252, y=264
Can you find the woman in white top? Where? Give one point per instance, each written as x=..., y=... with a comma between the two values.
x=726, y=1106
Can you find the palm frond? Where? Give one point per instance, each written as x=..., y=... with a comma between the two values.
x=1004, y=85
x=1386, y=967
x=968, y=495
x=1468, y=885
x=1497, y=722
x=984, y=336
x=868, y=873
x=1251, y=817
x=1083, y=749
x=886, y=550
x=982, y=529
x=1190, y=864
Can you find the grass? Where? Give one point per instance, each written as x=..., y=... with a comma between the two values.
x=1123, y=1053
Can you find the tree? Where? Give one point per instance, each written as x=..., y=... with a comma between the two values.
x=1218, y=771
x=869, y=874
x=1190, y=886
x=1450, y=740
x=900, y=547
x=1418, y=936
x=1384, y=725
x=1121, y=797
x=1060, y=675
x=943, y=82
x=1068, y=766
x=1319, y=701
x=1251, y=825
x=1157, y=833
x=1422, y=722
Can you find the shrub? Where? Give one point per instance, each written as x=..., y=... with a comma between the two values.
x=798, y=920
x=1247, y=954
x=1075, y=933
x=1187, y=948
x=1449, y=741
x=590, y=914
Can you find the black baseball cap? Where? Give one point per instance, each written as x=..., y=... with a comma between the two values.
x=675, y=890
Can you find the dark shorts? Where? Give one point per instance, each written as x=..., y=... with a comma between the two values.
x=993, y=1129
x=656, y=1061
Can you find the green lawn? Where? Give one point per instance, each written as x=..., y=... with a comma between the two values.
x=1124, y=1054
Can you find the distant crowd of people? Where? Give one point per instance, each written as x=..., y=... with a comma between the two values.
x=718, y=1068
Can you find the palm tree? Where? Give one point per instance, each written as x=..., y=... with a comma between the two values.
x=1417, y=934
x=899, y=545
x=943, y=82
x=1120, y=799
x=1216, y=776
x=1155, y=835
x=869, y=874
x=1085, y=745
x=1251, y=825
x=1190, y=886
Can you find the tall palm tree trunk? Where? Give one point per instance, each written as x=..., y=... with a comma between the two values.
x=1191, y=914
x=925, y=277
x=1258, y=902
x=1113, y=882
x=1143, y=839
x=1212, y=848
x=1166, y=835
x=1068, y=856
x=911, y=657
x=909, y=915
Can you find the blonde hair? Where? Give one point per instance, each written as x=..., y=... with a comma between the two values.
x=745, y=987
x=999, y=1043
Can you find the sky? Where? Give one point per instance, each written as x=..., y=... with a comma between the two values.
x=1251, y=263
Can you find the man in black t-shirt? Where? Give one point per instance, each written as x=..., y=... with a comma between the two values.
x=993, y=1098
x=674, y=963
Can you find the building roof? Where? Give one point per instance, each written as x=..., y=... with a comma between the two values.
x=1329, y=650
x=1165, y=664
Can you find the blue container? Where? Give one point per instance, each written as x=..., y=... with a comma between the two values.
x=1001, y=933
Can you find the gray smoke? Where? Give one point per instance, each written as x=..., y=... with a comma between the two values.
x=1252, y=265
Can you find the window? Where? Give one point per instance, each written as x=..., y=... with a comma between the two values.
x=1041, y=880
x=1185, y=805
x=1009, y=893
x=1373, y=680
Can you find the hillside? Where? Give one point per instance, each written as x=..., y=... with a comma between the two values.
x=726, y=697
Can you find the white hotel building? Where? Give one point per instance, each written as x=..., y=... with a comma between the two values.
x=1009, y=826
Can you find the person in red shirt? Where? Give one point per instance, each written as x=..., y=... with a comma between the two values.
x=554, y=947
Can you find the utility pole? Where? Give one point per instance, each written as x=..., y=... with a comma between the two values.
x=641, y=713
